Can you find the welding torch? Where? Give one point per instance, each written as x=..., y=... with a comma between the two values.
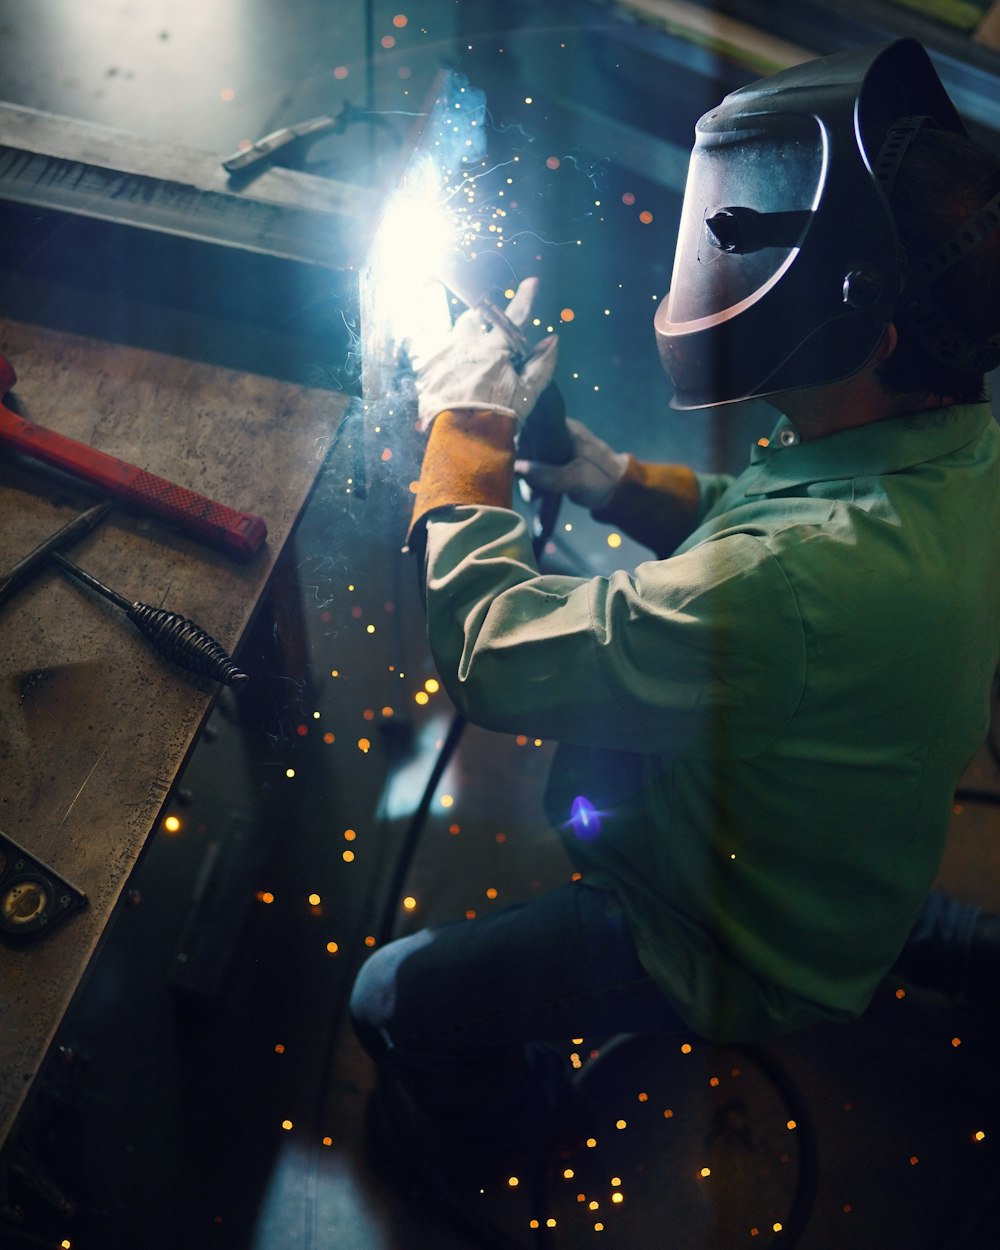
x=545, y=436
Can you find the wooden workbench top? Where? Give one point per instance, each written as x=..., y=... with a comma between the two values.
x=94, y=724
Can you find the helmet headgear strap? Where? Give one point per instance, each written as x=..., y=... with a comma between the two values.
x=947, y=344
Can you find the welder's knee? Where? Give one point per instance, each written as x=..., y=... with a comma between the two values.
x=375, y=998
x=371, y=1000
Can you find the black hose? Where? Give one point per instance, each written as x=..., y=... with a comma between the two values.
x=414, y=832
x=805, y=1190
x=545, y=437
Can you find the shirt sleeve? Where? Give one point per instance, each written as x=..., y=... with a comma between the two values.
x=701, y=654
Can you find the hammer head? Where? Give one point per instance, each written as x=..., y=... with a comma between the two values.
x=7, y=376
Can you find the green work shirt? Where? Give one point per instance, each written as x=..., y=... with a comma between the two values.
x=764, y=730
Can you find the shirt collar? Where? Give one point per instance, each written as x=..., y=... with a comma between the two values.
x=864, y=451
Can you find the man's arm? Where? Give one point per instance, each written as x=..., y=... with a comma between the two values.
x=659, y=505
x=667, y=658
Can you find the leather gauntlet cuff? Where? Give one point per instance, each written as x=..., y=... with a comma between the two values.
x=656, y=504
x=469, y=459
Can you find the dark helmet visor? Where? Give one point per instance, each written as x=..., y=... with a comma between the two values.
x=787, y=269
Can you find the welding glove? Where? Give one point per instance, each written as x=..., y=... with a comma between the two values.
x=475, y=367
x=590, y=477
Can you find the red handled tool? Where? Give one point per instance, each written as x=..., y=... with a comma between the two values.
x=241, y=533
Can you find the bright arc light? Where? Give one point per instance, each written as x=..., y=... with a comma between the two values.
x=415, y=241
x=431, y=222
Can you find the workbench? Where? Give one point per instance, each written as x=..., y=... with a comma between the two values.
x=95, y=726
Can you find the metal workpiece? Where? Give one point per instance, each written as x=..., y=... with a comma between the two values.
x=77, y=168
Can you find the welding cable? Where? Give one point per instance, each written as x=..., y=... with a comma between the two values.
x=789, y=1094
x=543, y=525
x=407, y=852
x=549, y=440
x=23, y=1236
x=808, y=1180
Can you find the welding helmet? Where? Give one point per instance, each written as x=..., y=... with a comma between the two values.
x=787, y=270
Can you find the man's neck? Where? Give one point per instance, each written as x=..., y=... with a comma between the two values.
x=819, y=411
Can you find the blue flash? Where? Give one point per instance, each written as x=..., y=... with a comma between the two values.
x=584, y=819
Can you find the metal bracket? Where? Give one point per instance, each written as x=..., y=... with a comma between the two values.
x=33, y=897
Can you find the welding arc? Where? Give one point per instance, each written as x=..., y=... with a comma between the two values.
x=175, y=637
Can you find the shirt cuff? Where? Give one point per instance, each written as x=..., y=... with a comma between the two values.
x=469, y=459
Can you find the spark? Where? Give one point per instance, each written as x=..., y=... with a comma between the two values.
x=432, y=220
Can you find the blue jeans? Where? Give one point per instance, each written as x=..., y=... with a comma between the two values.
x=457, y=1016
x=939, y=953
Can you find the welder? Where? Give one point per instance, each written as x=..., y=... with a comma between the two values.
x=761, y=727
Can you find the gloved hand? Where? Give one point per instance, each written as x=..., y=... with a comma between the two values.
x=475, y=367
x=588, y=478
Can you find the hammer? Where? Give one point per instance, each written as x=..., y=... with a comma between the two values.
x=241, y=533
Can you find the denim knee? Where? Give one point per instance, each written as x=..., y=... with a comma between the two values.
x=370, y=1003
x=374, y=997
